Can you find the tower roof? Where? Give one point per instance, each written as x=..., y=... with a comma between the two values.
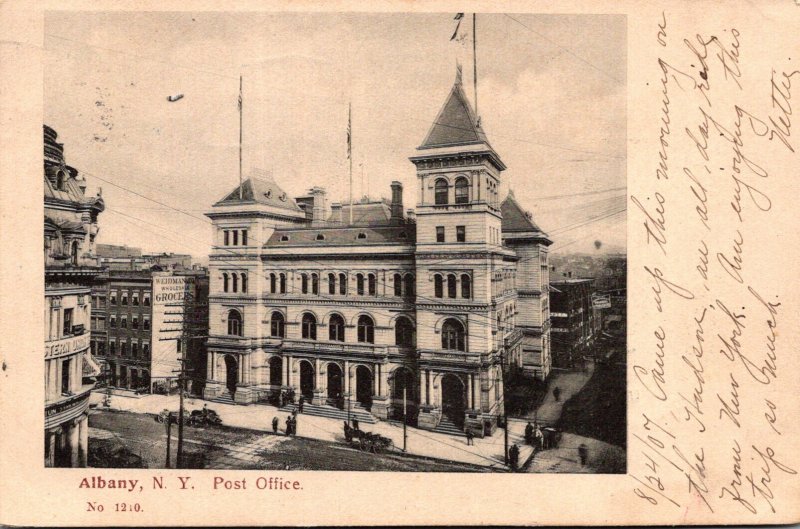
x=456, y=123
x=516, y=221
x=260, y=188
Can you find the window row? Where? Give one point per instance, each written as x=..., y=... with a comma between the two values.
x=233, y=238
x=451, y=281
x=441, y=191
x=123, y=322
x=461, y=234
x=234, y=282
x=405, y=333
x=132, y=348
x=124, y=295
x=366, y=284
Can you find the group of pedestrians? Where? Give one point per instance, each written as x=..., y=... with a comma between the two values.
x=291, y=424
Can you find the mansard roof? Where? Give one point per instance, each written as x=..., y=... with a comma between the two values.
x=516, y=220
x=326, y=236
x=260, y=188
x=456, y=123
x=364, y=213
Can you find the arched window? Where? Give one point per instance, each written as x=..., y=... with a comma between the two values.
x=235, y=282
x=283, y=283
x=404, y=332
x=277, y=325
x=453, y=335
x=451, y=286
x=466, y=286
x=360, y=284
x=462, y=190
x=336, y=328
x=409, y=284
x=304, y=283
x=343, y=284
x=314, y=284
x=224, y=282
x=438, y=288
x=74, y=253
x=234, y=323
x=366, y=329
x=440, y=191
x=373, y=285
x=331, y=284
x=273, y=283
x=398, y=285
x=244, y=282
x=309, y=327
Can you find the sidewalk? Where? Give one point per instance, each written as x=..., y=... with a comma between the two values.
x=486, y=452
x=570, y=383
x=602, y=457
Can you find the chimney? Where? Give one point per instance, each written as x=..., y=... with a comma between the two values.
x=318, y=205
x=397, y=202
x=336, y=212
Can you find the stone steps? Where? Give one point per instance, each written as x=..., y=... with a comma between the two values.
x=317, y=410
x=446, y=426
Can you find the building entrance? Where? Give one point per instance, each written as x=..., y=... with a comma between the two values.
x=364, y=386
x=231, y=374
x=307, y=380
x=453, y=399
x=335, y=385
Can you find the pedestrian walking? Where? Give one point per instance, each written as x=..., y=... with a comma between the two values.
x=513, y=456
x=556, y=393
x=355, y=423
x=288, y=425
x=294, y=425
x=300, y=403
x=275, y=423
x=583, y=454
x=529, y=433
x=470, y=436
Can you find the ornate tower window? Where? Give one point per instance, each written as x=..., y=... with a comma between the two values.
x=440, y=192
x=462, y=190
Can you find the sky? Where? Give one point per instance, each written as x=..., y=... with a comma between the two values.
x=551, y=96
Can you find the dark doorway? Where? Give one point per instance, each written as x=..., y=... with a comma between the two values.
x=364, y=386
x=335, y=385
x=403, y=379
x=306, y=380
x=453, y=399
x=231, y=373
x=275, y=371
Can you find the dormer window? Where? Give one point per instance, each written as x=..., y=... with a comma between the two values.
x=320, y=237
x=282, y=197
x=361, y=235
x=268, y=194
x=284, y=238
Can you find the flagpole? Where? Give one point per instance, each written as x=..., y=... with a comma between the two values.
x=350, y=154
x=475, y=60
x=240, y=138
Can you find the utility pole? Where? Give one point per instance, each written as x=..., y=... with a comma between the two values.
x=505, y=408
x=405, y=418
x=169, y=437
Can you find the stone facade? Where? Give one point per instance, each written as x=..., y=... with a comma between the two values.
x=359, y=314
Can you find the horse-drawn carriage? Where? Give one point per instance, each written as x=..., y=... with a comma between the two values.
x=367, y=441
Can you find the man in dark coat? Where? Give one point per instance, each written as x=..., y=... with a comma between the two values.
x=355, y=423
x=275, y=423
x=300, y=403
x=557, y=393
x=288, y=425
x=470, y=436
x=529, y=433
x=513, y=456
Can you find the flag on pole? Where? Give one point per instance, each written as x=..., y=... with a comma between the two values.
x=458, y=17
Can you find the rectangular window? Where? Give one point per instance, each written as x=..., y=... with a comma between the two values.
x=124, y=348
x=439, y=233
x=135, y=299
x=123, y=323
x=135, y=349
x=65, y=368
x=146, y=349
x=67, y=322
x=125, y=298
x=461, y=233
x=112, y=322
x=135, y=323
x=113, y=298
x=147, y=300
x=244, y=237
x=146, y=324
x=235, y=237
x=112, y=348
x=227, y=238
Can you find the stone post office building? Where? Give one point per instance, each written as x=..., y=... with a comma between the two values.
x=354, y=313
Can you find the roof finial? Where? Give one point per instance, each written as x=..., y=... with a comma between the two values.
x=458, y=73
x=510, y=192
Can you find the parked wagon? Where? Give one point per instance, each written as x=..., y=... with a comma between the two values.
x=367, y=441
